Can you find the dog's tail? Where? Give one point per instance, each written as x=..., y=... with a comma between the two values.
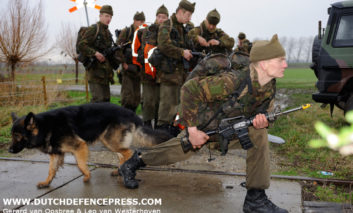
x=145, y=137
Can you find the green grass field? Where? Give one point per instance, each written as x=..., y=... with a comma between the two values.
x=303, y=78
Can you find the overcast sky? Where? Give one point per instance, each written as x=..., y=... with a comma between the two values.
x=257, y=18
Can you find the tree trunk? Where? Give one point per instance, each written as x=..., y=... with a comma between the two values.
x=13, y=70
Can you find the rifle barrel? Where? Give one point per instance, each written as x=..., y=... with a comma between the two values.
x=211, y=132
x=303, y=107
x=197, y=53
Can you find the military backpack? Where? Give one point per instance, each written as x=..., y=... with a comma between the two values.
x=128, y=37
x=161, y=61
x=82, y=58
x=217, y=63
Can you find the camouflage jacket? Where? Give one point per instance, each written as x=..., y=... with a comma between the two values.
x=126, y=36
x=226, y=42
x=200, y=99
x=172, y=41
x=245, y=47
x=91, y=42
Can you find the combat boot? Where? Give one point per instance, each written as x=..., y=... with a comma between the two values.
x=128, y=171
x=256, y=201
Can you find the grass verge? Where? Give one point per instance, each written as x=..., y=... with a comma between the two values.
x=301, y=160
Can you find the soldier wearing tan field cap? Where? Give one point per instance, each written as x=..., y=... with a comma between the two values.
x=207, y=37
x=95, y=40
x=199, y=101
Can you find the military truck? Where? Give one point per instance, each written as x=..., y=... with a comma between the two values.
x=332, y=57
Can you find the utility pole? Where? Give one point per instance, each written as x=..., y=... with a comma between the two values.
x=85, y=5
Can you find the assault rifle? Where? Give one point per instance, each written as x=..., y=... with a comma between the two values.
x=108, y=54
x=199, y=55
x=237, y=126
x=158, y=58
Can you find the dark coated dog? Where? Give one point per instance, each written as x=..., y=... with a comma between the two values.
x=71, y=129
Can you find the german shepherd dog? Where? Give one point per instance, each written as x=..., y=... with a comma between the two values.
x=71, y=129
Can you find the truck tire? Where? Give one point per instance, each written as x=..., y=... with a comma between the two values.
x=315, y=55
x=316, y=49
x=349, y=104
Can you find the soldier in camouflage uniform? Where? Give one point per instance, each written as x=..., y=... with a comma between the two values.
x=96, y=39
x=150, y=87
x=244, y=44
x=172, y=42
x=131, y=82
x=207, y=37
x=202, y=97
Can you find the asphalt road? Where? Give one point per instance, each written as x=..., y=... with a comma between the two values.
x=161, y=191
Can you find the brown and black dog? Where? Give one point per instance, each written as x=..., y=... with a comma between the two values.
x=71, y=129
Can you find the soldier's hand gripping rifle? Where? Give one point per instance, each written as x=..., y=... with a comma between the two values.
x=108, y=54
x=198, y=55
x=237, y=126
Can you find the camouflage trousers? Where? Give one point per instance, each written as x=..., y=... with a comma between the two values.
x=257, y=160
x=130, y=92
x=150, y=100
x=99, y=92
x=168, y=103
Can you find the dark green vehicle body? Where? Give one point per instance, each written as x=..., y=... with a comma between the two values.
x=333, y=58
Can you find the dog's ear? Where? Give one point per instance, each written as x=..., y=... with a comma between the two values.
x=14, y=117
x=30, y=122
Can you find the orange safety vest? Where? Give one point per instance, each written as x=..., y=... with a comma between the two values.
x=136, y=44
x=147, y=52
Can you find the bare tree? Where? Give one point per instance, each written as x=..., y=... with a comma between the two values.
x=22, y=34
x=290, y=48
x=67, y=43
x=299, y=47
x=308, y=48
x=283, y=40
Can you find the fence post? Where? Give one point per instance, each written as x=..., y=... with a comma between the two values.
x=44, y=91
x=86, y=86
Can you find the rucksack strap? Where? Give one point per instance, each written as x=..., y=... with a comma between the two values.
x=130, y=34
x=232, y=99
x=97, y=31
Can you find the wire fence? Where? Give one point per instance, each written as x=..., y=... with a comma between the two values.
x=38, y=92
